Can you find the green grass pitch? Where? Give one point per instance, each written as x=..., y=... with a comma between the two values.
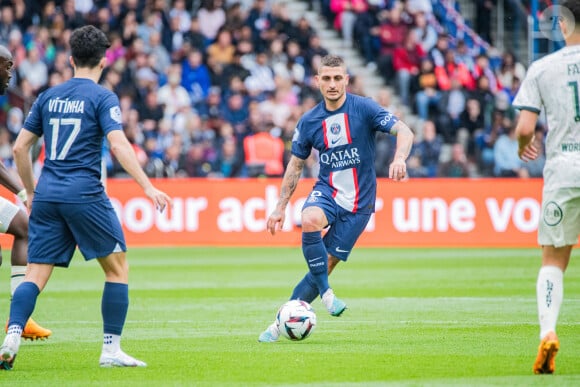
x=416, y=317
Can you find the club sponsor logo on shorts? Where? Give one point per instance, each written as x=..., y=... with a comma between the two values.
x=553, y=214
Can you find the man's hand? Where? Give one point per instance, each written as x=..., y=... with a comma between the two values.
x=528, y=152
x=275, y=221
x=159, y=198
x=398, y=169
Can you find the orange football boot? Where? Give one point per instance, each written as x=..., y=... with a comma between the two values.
x=33, y=331
x=546, y=361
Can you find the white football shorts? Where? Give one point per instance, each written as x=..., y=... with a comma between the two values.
x=8, y=211
x=560, y=218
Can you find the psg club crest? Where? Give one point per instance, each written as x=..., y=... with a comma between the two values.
x=335, y=128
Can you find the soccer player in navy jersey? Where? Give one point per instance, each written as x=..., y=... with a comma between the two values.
x=342, y=129
x=13, y=220
x=69, y=206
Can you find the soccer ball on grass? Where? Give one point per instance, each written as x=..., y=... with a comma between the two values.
x=296, y=320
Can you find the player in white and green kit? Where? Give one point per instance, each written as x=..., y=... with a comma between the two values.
x=552, y=83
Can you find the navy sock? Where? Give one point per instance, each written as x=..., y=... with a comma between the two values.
x=23, y=303
x=317, y=259
x=306, y=289
x=114, y=306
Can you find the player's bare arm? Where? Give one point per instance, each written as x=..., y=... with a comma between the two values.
x=525, y=130
x=21, y=151
x=8, y=180
x=289, y=184
x=398, y=168
x=123, y=151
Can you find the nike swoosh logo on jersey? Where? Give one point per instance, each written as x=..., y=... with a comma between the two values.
x=339, y=250
x=334, y=141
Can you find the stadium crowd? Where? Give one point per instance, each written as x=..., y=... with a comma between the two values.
x=214, y=88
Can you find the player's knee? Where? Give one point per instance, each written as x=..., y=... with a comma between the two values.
x=116, y=267
x=313, y=219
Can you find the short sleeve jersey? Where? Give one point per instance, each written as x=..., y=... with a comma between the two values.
x=73, y=119
x=553, y=83
x=345, y=141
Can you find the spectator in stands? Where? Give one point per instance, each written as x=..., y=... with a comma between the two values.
x=303, y=34
x=406, y=61
x=180, y=13
x=221, y=51
x=130, y=27
x=415, y=7
x=392, y=33
x=194, y=37
x=195, y=163
x=16, y=47
x=230, y=162
x=483, y=18
x=463, y=56
x=505, y=164
x=235, y=16
x=415, y=167
x=261, y=79
x=314, y=48
x=264, y=153
x=195, y=76
x=458, y=165
x=425, y=88
x=156, y=50
x=14, y=121
x=471, y=123
x=451, y=105
x=259, y=19
x=485, y=142
x=426, y=34
x=235, y=109
x=366, y=31
x=172, y=96
x=385, y=144
x=7, y=22
x=428, y=149
x=437, y=53
x=214, y=17
x=345, y=14
x=33, y=69
x=451, y=69
x=284, y=26
x=482, y=67
x=509, y=69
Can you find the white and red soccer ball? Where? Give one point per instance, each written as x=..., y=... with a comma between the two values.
x=296, y=320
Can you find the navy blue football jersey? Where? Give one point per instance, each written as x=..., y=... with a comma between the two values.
x=74, y=118
x=345, y=140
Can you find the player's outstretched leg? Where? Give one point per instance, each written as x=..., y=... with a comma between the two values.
x=9, y=348
x=546, y=360
x=334, y=305
x=271, y=334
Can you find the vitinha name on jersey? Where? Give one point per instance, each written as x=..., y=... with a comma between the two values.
x=341, y=158
x=66, y=106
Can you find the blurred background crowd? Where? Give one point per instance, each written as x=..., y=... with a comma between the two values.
x=214, y=88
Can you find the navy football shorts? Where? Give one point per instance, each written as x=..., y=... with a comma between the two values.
x=345, y=227
x=55, y=229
